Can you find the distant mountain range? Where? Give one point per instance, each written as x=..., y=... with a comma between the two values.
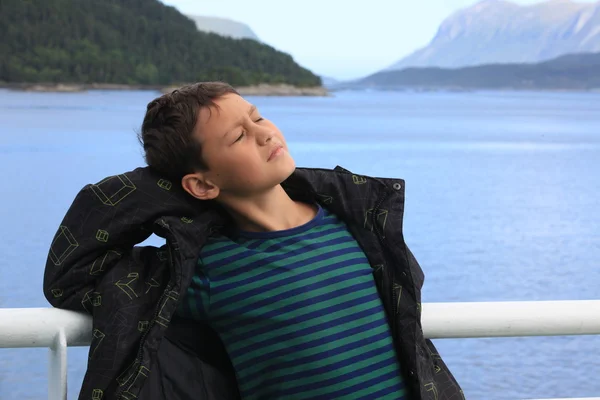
x=569, y=72
x=224, y=27
x=498, y=31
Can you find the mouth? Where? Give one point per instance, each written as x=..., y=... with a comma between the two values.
x=277, y=151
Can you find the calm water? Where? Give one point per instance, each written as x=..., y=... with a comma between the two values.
x=502, y=199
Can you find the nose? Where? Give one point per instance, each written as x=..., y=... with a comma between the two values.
x=264, y=134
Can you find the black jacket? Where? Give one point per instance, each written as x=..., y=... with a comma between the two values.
x=139, y=350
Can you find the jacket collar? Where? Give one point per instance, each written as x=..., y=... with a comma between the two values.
x=356, y=199
x=353, y=198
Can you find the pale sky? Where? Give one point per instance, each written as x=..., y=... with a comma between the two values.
x=343, y=39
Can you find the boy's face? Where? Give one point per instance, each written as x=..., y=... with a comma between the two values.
x=245, y=153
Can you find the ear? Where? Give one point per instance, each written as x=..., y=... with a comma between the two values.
x=199, y=187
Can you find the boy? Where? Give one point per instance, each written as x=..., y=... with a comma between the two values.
x=274, y=282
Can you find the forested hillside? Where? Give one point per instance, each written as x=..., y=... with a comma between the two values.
x=129, y=42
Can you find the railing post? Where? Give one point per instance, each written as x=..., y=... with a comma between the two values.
x=57, y=367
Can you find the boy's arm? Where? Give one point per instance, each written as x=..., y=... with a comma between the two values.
x=104, y=223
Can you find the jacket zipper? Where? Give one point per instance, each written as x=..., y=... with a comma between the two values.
x=385, y=248
x=379, y=235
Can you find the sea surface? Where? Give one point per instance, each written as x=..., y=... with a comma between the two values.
x=502, y=203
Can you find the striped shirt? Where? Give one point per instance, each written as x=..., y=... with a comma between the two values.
x=298, y=313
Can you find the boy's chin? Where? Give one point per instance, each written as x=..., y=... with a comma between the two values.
x=288, y=171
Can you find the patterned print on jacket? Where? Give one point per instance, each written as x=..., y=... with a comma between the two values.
x=298, y=312
x=97, y=263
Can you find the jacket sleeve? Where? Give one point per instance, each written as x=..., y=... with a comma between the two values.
x=105, y=221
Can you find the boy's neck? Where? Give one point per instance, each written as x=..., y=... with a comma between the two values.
x=271, y=211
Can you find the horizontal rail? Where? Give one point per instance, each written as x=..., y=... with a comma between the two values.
x=514, y=318
x=38, y=327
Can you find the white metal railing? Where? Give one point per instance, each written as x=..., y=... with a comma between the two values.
x=57, y=329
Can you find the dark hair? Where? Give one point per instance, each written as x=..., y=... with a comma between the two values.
x=167, y=131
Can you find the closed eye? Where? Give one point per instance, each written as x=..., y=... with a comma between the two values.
x=240, y=137
x=259, y=119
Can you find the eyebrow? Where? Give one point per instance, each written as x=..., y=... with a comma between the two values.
x=251, y=110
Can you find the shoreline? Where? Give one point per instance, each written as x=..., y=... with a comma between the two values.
x=275, y=90
x=262, y=89
x=458, y=89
